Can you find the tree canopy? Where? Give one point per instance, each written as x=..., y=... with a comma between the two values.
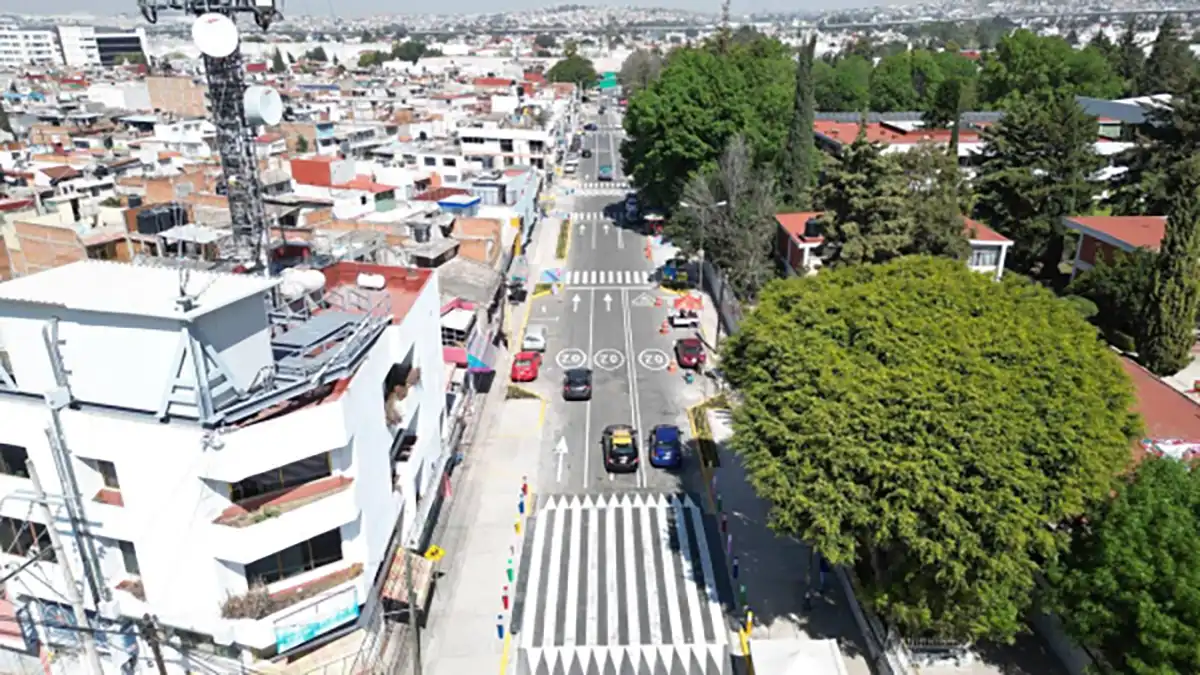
x=1026, y=63
x=638, y=70
x=701, y=99
x=926, y=424
x=412, y=51
x=1130, y=584
x=574, y=69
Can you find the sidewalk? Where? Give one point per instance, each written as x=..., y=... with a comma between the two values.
x=480, y=535
x=775, y=570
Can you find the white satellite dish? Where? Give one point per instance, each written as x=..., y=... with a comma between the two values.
x=215, y=34
x=263, y=106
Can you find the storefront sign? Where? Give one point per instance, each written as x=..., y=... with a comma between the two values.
x=317, y=619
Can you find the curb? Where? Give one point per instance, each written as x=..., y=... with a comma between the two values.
x=673, y=291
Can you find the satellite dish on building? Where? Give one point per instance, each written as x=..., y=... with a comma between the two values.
x=215, y=35
x=263, y=106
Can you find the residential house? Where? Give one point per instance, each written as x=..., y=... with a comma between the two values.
x=1100, y=237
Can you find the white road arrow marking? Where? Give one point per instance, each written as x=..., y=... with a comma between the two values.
x=561, y=451
x=606, y=228
x=607, y=302
x=582, y=228
x=575, y=303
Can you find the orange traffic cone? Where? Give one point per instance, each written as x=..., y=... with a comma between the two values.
x=671, y=366
x=665, y=328
x=658, y=301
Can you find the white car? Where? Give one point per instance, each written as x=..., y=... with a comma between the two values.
x=534, y=339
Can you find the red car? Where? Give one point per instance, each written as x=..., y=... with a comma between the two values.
x=689, y=352
x=525, y=366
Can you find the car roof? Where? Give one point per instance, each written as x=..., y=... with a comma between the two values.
x=577, y=372
x=525, y=355
x=536, y=329
x=666, y=432
x=690, y=342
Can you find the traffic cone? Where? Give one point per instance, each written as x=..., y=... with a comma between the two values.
x=664, y=329
x=658, y=301
x=671, y=366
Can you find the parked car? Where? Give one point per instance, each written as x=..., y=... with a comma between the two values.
x=666, y=446
x=606, y=173
x=535, y=339
x=619, y=443
x=590, y=126
x=526, y=366
x=689, y=352
x=577, y=385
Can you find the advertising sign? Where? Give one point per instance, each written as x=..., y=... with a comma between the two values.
x=317, y=619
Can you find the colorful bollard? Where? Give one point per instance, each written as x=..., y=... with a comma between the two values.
x=724, y=524
x=749, y=621
x=500, y=626
x=735, y=568
x=510, y=571
x=525, y=486
x=729, y=544
x=521, y=507
x=742, y=593
x=504, y=599
x=517, y=525
x=720, y=505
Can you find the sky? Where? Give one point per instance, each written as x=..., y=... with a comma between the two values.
x=359, y=8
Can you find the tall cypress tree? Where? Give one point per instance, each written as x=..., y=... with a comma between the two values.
x=1168, y=330
x=798, y=171
x=1130, y=59
x=1170, y=64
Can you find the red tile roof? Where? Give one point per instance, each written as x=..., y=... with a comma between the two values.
x=493, y=82
x=439, y=193
x=887, y=134
x=364, y=183
x=793, y=224
x=1167, y=413
x=60, y=172
x=1133, y=231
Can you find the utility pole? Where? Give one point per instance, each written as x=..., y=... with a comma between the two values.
x=81, y=619
x=150, y=634
x=413, y=626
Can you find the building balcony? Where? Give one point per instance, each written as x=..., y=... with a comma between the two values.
x=255, y=528
x=287, y=617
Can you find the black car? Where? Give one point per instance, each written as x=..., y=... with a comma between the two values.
x=619, y=442
x=577, y=385
x=590, y=126
x=586, y=153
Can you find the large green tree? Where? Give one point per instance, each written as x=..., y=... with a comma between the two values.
x=1170, y=66
x=639, y=69
x=1130, y=585
x=1170, y=323
x=799, y=162
x=574, y=69
x=1119, y=288
x=938, y=195
x=865, y=199
x=844, y=86
x=1025, y=63
x=1130, y=59
x=916, y=421
x=682, y=122
x=1038, y=162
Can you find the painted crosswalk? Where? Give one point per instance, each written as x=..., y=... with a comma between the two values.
x=589, y=216
x=608, y=278
x=604, y=185
x=621, y=584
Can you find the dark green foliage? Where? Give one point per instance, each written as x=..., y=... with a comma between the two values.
x=937, y=197
x=1169, y=325
x=1170, y=66
x=1086, y=308
x=277, y=64
x=1130, y=59
x=1169, y=135
x=1130, y=585
x=925, y=425
x=1025, y=63
x=574, y=69
x=798, y=165
x=1119, y=289
x=1037, y=167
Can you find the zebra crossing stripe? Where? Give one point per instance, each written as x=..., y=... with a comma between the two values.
x=535, y=577
x=652, y=614
x=607, y=277
x=631, y=573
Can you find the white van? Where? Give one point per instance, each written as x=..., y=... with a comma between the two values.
x=571, y=166
x=534, y=340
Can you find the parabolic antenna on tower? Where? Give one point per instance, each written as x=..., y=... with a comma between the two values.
x=215, y=35
x=263, y=106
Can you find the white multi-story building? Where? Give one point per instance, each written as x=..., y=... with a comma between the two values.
x=496, y=146
x=84, y=46
x=20, y=47
x=243, y=456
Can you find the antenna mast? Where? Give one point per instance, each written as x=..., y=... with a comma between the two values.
x=216, y=35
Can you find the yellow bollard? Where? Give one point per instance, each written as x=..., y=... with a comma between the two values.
x=749, y=621
x=517, y=525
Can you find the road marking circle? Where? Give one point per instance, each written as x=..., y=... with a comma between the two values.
x=608, y=359
x=653, y=359
x=570, y=358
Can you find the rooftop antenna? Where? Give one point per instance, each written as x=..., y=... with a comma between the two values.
x=236, y=111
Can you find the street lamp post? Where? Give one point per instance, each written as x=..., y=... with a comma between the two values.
x=712, y=207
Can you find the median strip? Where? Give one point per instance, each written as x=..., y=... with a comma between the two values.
x=564, y=240
x=706, y=447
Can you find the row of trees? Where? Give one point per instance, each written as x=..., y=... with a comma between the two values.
x=928, y=444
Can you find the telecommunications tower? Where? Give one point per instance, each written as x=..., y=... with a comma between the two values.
x=236, y=111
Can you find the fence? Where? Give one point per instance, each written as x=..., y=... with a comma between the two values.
x=729, y=308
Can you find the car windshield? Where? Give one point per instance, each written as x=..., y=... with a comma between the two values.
x=577, y=377
x=690, y=349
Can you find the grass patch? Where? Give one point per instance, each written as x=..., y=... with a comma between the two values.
x=564, y=240
x=538, y=289
x=515, y=392
x=705, y=446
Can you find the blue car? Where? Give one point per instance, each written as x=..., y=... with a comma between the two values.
x=666, y=447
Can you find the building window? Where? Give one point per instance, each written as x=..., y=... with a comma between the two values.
x=23, y=538
x=129, y=558
x=283, y=478
x=985, y=257
x=431, y=161
x=321, y=550
x=12, y=460
x=449, y=161
x=506, y=145
x=108, y=472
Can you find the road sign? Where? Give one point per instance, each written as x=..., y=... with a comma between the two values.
x=653, y=359
x=609, y=359
x=643, y=300
x=570, y=358
x=435, y=553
